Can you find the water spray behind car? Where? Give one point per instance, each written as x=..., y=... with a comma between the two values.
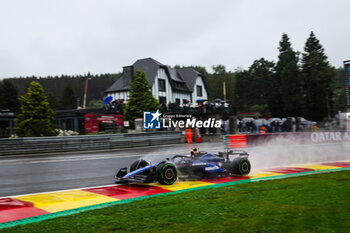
x=282, y=151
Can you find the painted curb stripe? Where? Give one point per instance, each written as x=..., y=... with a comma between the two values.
x=65, y=200
x=215, y=185
x=122, y=192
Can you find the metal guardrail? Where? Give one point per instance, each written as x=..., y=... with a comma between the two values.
x=89, y=142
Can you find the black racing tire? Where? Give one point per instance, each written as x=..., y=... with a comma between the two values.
x=138, y=164
x=241, y=166
x=166, y=174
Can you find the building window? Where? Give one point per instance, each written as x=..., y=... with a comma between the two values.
x=162, y=100
x=161, y=85
x=179, y=85
x=199, y=91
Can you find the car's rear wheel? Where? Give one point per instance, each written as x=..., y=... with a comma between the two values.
x=166, y=173
x=138, y=164
x=241, y=166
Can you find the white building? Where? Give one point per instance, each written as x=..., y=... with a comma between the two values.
x=167, y=84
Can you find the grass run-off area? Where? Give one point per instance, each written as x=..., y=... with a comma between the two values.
x=314, y=203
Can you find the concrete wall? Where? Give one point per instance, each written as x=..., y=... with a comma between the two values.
x=85, y=143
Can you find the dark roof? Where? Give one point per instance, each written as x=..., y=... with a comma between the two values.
x=149, y=66
x=189, y=75
x=118, y=86
x=174, y=75
x=181, y=79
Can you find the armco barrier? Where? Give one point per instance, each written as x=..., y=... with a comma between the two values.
x=237, y=140
x=87, y=142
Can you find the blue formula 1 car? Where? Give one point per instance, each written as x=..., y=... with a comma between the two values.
x=185, y=167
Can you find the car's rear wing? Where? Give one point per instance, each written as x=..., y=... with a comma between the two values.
x=230, y=154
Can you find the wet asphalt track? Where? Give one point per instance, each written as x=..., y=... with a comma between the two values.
x=50, y=172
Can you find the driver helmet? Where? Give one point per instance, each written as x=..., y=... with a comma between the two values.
x=194, y=151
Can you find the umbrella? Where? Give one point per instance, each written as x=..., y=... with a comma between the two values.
x=217, y=100
x=201, y=100
x=108, y=99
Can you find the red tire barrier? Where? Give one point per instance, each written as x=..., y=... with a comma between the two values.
x=238, y=141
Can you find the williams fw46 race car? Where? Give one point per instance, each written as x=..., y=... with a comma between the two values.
x=187, y=167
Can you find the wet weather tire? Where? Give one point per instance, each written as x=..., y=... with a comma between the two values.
x=138, y=164
x=241, y=166
x=166, y=173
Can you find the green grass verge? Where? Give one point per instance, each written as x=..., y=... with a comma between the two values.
x=314, y=203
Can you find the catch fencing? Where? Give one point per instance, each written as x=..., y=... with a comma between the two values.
x=32, y=145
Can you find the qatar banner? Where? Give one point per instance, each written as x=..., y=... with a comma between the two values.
x=297, y=138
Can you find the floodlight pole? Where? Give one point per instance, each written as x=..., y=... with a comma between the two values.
x=85, y=91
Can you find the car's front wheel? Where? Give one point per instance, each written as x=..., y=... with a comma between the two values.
x=166, y=173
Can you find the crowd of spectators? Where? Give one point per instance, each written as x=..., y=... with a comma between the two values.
x=201, y=107
x=274, y=126
x=116, y=106
x=252, y=127
x=223, y=109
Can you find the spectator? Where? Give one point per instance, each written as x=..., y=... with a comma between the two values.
x=278, y=126
x=244, y=126
x=273, y=126
x=163, y=108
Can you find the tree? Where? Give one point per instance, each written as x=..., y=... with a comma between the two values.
x=243, y=91
x=96, y=104
x=263, y=84
x=215, y=83
x=339, y=92
x=68, y=100
x=317, y=78
x=140, y=98
x=56, y=85
x=36, y=117
x=256, y=87
x=54, y=103
x=289, y=93
x=8, y=96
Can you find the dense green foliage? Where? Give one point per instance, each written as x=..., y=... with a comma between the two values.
x=140, y=98
x=255, y=88
x=69, y=101
x=317, y=77
x=54, y=87
x=288, y=80
x=8, y=96
x=96, y=104
x=36, y=116
x=309, y=87
x=220, y=76
x=315, y=203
